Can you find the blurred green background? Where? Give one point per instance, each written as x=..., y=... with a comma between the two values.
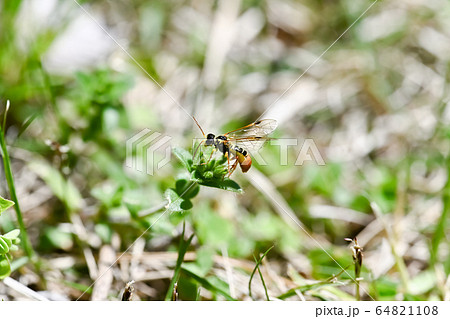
x=83, y=80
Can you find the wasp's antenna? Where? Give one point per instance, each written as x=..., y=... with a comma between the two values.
x=197, y=148
x=199, y=126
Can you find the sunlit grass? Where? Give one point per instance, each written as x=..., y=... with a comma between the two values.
x=375, y=105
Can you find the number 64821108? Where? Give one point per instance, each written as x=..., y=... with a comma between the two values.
x=407, y=310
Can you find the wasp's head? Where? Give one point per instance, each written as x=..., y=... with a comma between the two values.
x=210, y=139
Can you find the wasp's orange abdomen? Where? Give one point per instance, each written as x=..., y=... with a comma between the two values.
x=246, y=164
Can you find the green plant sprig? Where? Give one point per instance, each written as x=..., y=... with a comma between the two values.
x=184, y=245
x=28, y=248
x=207, y=171
x=8, y=242
x=258, y=262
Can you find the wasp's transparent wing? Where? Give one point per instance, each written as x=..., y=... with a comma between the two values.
x=253, y=136
x=250, y=144
x=257, y=129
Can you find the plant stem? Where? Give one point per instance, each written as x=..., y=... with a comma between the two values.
x=264, y=284
x=258, y=262
x=439, y=232
x=399, y=262
x=28, y=248
x=184, y=245
x=358, y=294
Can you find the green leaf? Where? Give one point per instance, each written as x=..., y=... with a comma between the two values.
x=63, y=189
x=5, y=267
x=104, y=231
x=5, y=204
x=207, y=284
x=186, y=204
x=4, y=247
x=184, y=156
x=176, y=203
x=177, y=217
x=20, y=262
x=185, y=189
x=109, y=194
x=226, y=184
x=57, y=238
x=13, y=234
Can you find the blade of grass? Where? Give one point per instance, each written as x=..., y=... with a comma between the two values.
x=84, y=288
x=197, y=296
x=253, y=273
x=184, y=245
x=332, y=281
x=207, y=285
x=18, y=263
x=305, y=288
x=28, y=248
x=439, y=233
x=339, y=294
x=399, y=262
x=264, y=284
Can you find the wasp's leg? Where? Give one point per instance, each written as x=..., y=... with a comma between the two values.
x=233, y=167
x=228, y=160
x=196, y=149
x=210, y=157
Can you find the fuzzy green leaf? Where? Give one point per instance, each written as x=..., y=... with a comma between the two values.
x=13, y=234
x=184, y=156
x=176, y=203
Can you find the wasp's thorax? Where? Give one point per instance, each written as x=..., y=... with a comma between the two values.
x=220, y=143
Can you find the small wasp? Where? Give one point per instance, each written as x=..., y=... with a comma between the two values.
x=238, y=144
